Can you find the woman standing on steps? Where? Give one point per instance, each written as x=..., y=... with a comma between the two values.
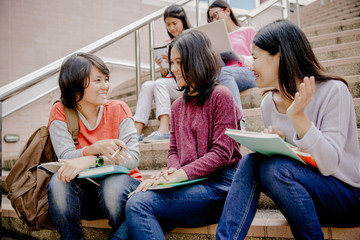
x=198, y=147
x=235, y=75
x=314, y=111
x=163, y=90
x=104, y=126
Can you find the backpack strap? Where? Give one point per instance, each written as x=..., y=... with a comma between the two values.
x=72, y=119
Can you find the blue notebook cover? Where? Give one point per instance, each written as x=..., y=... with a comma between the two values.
x=103, y=171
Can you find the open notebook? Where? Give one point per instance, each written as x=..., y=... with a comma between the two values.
x=219, y=37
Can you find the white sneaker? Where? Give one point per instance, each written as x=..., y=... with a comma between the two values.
x=157, y=137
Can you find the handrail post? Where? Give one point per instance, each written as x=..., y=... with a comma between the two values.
x=288, y=8
x=285, y=12
x=137, y=61
x=298, y=13
x=198, y=15
x=151, y=50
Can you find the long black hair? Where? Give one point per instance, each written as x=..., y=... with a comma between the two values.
x=178, y=12
x=74, y=76
x=200, y=64
x=223, y=5
x=297, y=59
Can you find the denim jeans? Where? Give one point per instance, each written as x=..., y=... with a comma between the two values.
x=304, y=196
x=237, y=79
x=82, y=199
x=149, y=214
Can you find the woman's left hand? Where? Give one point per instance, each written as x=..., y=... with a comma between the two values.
x=152, y=182
x=165, y=176
x=302, y=98
x=296, y=111
x=72, y=167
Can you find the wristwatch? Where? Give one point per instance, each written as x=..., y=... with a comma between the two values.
x=99, y=161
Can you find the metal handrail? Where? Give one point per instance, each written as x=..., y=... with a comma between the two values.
x=22, y=83
x=256, y=11
x=49, y=70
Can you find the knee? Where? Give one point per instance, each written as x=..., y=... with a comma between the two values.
x=139, y=203
x=57, y=192
x=118, y=184
x=148, y=86
x=225, y=74
x=55, y=186
x=275, y=171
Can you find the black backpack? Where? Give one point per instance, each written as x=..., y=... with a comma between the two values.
x=27, y=184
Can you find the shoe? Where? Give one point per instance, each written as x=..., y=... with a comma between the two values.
x=157, y=137
x=242, y=124
x=140, y=137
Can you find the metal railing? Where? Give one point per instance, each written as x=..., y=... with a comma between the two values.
x=48, y=72
x=51, y=69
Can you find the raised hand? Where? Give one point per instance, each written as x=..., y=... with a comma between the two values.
x=302, y=98
x=296, y=112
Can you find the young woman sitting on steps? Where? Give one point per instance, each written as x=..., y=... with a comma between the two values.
x=314, y=111
x=104, y=126
x=198, y=147
x=235, y=75
x=162, y=90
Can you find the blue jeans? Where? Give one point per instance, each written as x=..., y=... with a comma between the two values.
x=82, y=199
x=237, y=79
x=149, y=214
x=304, y=196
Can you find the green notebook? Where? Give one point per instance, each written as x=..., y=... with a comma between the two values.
x=269, y=145
x=171, y=185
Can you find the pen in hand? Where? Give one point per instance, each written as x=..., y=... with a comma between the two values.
x=120, y=148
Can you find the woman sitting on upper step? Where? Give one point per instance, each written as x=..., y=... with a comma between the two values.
x=163, y=90
x=236, y=75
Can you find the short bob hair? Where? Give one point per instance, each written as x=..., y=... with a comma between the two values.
x=297, y=60
x=223, y=5
x=200, y=64
x=178, y=12
x=74, y=76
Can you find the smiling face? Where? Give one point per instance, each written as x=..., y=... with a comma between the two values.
x=96, y=92
x=265, y=68
x=174, y=26
x=176, y=67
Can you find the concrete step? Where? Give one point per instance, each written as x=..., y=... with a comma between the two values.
x=344, y=50
x=329, y=15
x=343, y=66
x=267, y=224
x=352, y=35
x=338, y=26
x=329, y=9
x=317, y=12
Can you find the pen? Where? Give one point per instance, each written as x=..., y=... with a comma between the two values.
x=93, y=182
x=120, y=148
